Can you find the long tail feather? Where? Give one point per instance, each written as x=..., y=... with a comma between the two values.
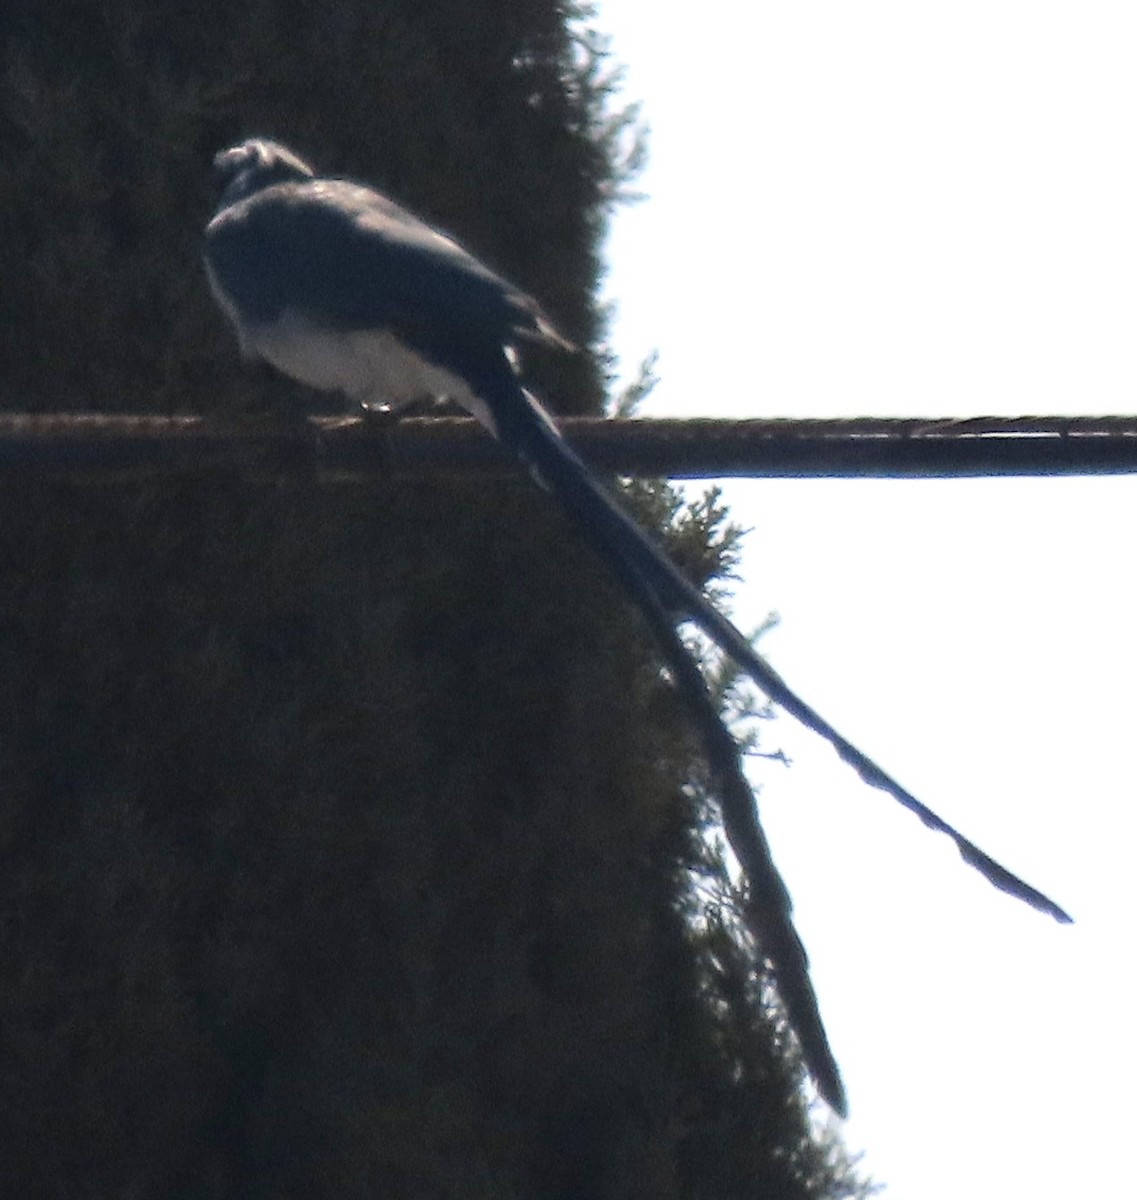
x=630, y=553
x=769, y=910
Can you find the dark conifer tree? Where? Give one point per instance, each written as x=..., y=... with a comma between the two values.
x=346, y=831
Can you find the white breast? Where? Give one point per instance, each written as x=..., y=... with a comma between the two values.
x=372, y=367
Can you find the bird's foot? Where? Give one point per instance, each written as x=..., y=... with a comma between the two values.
x=379, y=416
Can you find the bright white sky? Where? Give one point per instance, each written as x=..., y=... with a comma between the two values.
x=924, y=209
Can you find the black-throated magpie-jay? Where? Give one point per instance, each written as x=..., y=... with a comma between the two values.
x=341, y=288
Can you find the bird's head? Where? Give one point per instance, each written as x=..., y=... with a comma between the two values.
x=254, y=164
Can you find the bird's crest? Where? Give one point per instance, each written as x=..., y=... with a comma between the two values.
x=255, y=164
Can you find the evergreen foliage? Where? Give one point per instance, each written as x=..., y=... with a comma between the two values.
x=346, y=832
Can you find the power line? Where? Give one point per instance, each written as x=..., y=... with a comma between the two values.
x=82, y=445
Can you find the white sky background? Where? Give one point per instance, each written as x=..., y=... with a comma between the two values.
x=924, y=209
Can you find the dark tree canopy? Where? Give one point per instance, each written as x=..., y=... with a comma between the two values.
x=346, y=832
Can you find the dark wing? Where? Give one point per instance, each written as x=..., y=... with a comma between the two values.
x=349, y=258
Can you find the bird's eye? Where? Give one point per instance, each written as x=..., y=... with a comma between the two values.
x=225, y=165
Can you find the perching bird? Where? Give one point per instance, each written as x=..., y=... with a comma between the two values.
x=339, y=287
